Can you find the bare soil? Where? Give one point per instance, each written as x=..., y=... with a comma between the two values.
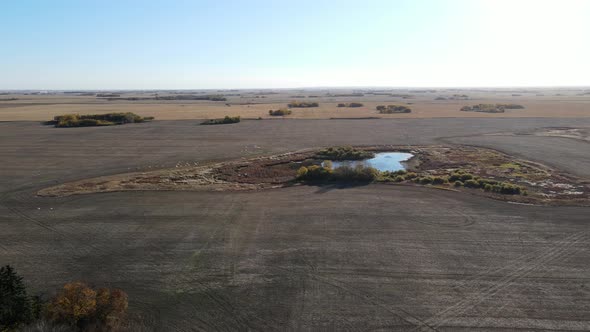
x=374, y=257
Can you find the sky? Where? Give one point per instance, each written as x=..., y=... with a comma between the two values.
x=126, y=44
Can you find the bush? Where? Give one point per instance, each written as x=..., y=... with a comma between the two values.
x=359, y=173
x=391, y=109
x=314, y=173
x=438, y=180
x=15, y=305
x=344, y=153
x=280, y=112
x=425, y=180
x=471, y=184
x=458, y=184
x=225, y=120
x=460, y=176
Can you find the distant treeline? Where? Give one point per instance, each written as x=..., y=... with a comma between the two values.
x=175, y=97
x=225, y=120
x=490, y=108
x=280, y=112
x=300, y=104
x=391, y=109
x=107, y=95
x=350, y=105
x=346, y=95
x=92, y=120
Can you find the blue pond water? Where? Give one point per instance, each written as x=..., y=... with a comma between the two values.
x=383, y=161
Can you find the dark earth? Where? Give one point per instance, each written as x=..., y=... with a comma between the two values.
x=374, y=257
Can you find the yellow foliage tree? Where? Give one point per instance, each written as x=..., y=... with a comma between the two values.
x=76, y=302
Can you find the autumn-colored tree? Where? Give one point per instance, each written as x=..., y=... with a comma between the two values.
x=88, y=309
x=74, y=305
x=111, y=306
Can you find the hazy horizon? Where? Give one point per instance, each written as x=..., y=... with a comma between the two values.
x=155, y=45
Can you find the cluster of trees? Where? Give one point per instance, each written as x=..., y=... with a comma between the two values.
x=108, y=95
x=193, y=97
x=344, y=153
x=300, y=104
x=281, y=112
x=76, y=307
x=108, y=119
x=350, y=105
x=225, y=120
x=390, y=109
x=490, y=108
x=326, y=172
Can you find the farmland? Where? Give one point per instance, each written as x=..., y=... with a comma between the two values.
x=333, y=256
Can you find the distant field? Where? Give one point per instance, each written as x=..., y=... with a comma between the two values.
x=255, y=104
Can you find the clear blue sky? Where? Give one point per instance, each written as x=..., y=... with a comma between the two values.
x=272, y=44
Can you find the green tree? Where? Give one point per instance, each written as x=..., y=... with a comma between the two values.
x=15, y=306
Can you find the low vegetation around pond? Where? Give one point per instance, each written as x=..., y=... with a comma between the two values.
x=326, y=172
x=392, y=109
x=460, y=168
x=225, y=120
x=344, y=153
x=109, y=119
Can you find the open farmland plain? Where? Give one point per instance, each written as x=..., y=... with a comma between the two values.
x=372, y=257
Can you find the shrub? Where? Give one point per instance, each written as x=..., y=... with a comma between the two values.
x=458, y=184
x=225, y=120
x=471, y=184
x=425, y=180
x=15, y=305
x=313, y=173
x=411, y=175
x=359, y=173
x=438, y=180
x=460, y=176
x=280, y=112
x=344, y=153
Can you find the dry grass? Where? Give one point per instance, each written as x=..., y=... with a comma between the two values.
x=43, y=107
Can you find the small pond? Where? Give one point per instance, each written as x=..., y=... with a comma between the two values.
x=383, y=161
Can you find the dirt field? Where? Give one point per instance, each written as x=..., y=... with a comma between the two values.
x=304, y=258
x=253, y=104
